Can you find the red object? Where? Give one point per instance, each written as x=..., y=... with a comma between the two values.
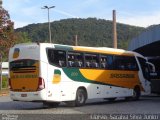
x=41, y=84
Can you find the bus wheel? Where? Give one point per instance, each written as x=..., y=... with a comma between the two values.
x=81, y=97
x=51, y=104
x=136, y=93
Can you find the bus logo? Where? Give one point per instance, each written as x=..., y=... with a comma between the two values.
x=56, y=77
x=16, y=53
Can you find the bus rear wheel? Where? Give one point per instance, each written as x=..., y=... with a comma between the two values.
x=81, y=97
x=136, y=93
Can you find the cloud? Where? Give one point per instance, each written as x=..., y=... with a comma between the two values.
x=141, y=20
x=30, y=11
x=65, y=13
x=19, y=24
x=25, y=12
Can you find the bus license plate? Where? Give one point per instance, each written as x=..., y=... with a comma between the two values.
x=23, y=95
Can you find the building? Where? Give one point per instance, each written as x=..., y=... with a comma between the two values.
x=148, y=44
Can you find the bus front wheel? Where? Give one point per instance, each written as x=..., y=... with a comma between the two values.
x=81, y=97
x=136, y=93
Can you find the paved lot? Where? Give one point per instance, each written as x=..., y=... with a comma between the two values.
x=146, y=105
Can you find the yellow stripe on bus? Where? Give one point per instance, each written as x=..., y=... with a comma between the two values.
x=127, y=79
x=103, y=51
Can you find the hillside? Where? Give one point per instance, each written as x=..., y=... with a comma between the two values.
x=91, y=32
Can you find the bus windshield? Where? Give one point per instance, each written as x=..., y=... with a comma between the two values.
x=22, y=64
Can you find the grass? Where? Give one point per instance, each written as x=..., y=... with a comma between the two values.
x=5, y=89
x=4, y=81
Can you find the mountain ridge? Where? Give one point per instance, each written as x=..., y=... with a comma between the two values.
x=91, y=32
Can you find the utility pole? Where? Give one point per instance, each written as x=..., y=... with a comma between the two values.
x=0, y=58
x=76, y=40
x=0, y=4
x=0, y=72
x=114, y=30
x=49, y=26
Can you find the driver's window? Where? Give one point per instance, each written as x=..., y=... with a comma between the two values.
x=144, y=67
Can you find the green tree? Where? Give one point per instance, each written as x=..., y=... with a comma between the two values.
x=91, y=32
x=7, y=37
x=22, y=37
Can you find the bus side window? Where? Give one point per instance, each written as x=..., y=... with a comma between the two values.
x=56, y=57
x=118, y=63
x=125, y=63
x=75, y=59
x=61, y=63
x=103, y=62
x=91, y=61
x=131, y=63
x=144, y=67
x=87, y=64
x=110, y=63
x=70, y=60
x=94, y=64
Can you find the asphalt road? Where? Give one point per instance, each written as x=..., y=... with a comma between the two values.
x=94, y=109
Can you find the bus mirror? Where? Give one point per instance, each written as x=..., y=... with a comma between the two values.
x=151, y=67
x=152, y=70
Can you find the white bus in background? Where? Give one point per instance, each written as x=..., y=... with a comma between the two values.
x=4, y=75
x=54, y=73
x=5, y=68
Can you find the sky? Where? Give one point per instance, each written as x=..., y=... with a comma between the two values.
x=133, y=12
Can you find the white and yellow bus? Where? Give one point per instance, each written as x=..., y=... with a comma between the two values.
x=54, y=73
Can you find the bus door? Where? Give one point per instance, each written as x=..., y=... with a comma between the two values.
x=57, y=60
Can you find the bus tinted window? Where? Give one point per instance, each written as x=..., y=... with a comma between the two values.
x=144, y=67
x=75, y=59
x=125, y=63
x=91, y=61
x=57, y=57
x=106, y=61
x=22, y=64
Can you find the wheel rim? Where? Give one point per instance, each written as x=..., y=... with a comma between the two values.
x=134, y=94
x=80, y=98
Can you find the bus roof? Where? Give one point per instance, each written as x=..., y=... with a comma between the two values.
x=102, y=50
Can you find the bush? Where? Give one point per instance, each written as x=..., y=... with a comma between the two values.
x=4, y=81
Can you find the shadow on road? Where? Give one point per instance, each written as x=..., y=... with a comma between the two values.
x=17, y=105
x=12, y=105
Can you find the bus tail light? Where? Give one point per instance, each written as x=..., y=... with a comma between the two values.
x=41, y=84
